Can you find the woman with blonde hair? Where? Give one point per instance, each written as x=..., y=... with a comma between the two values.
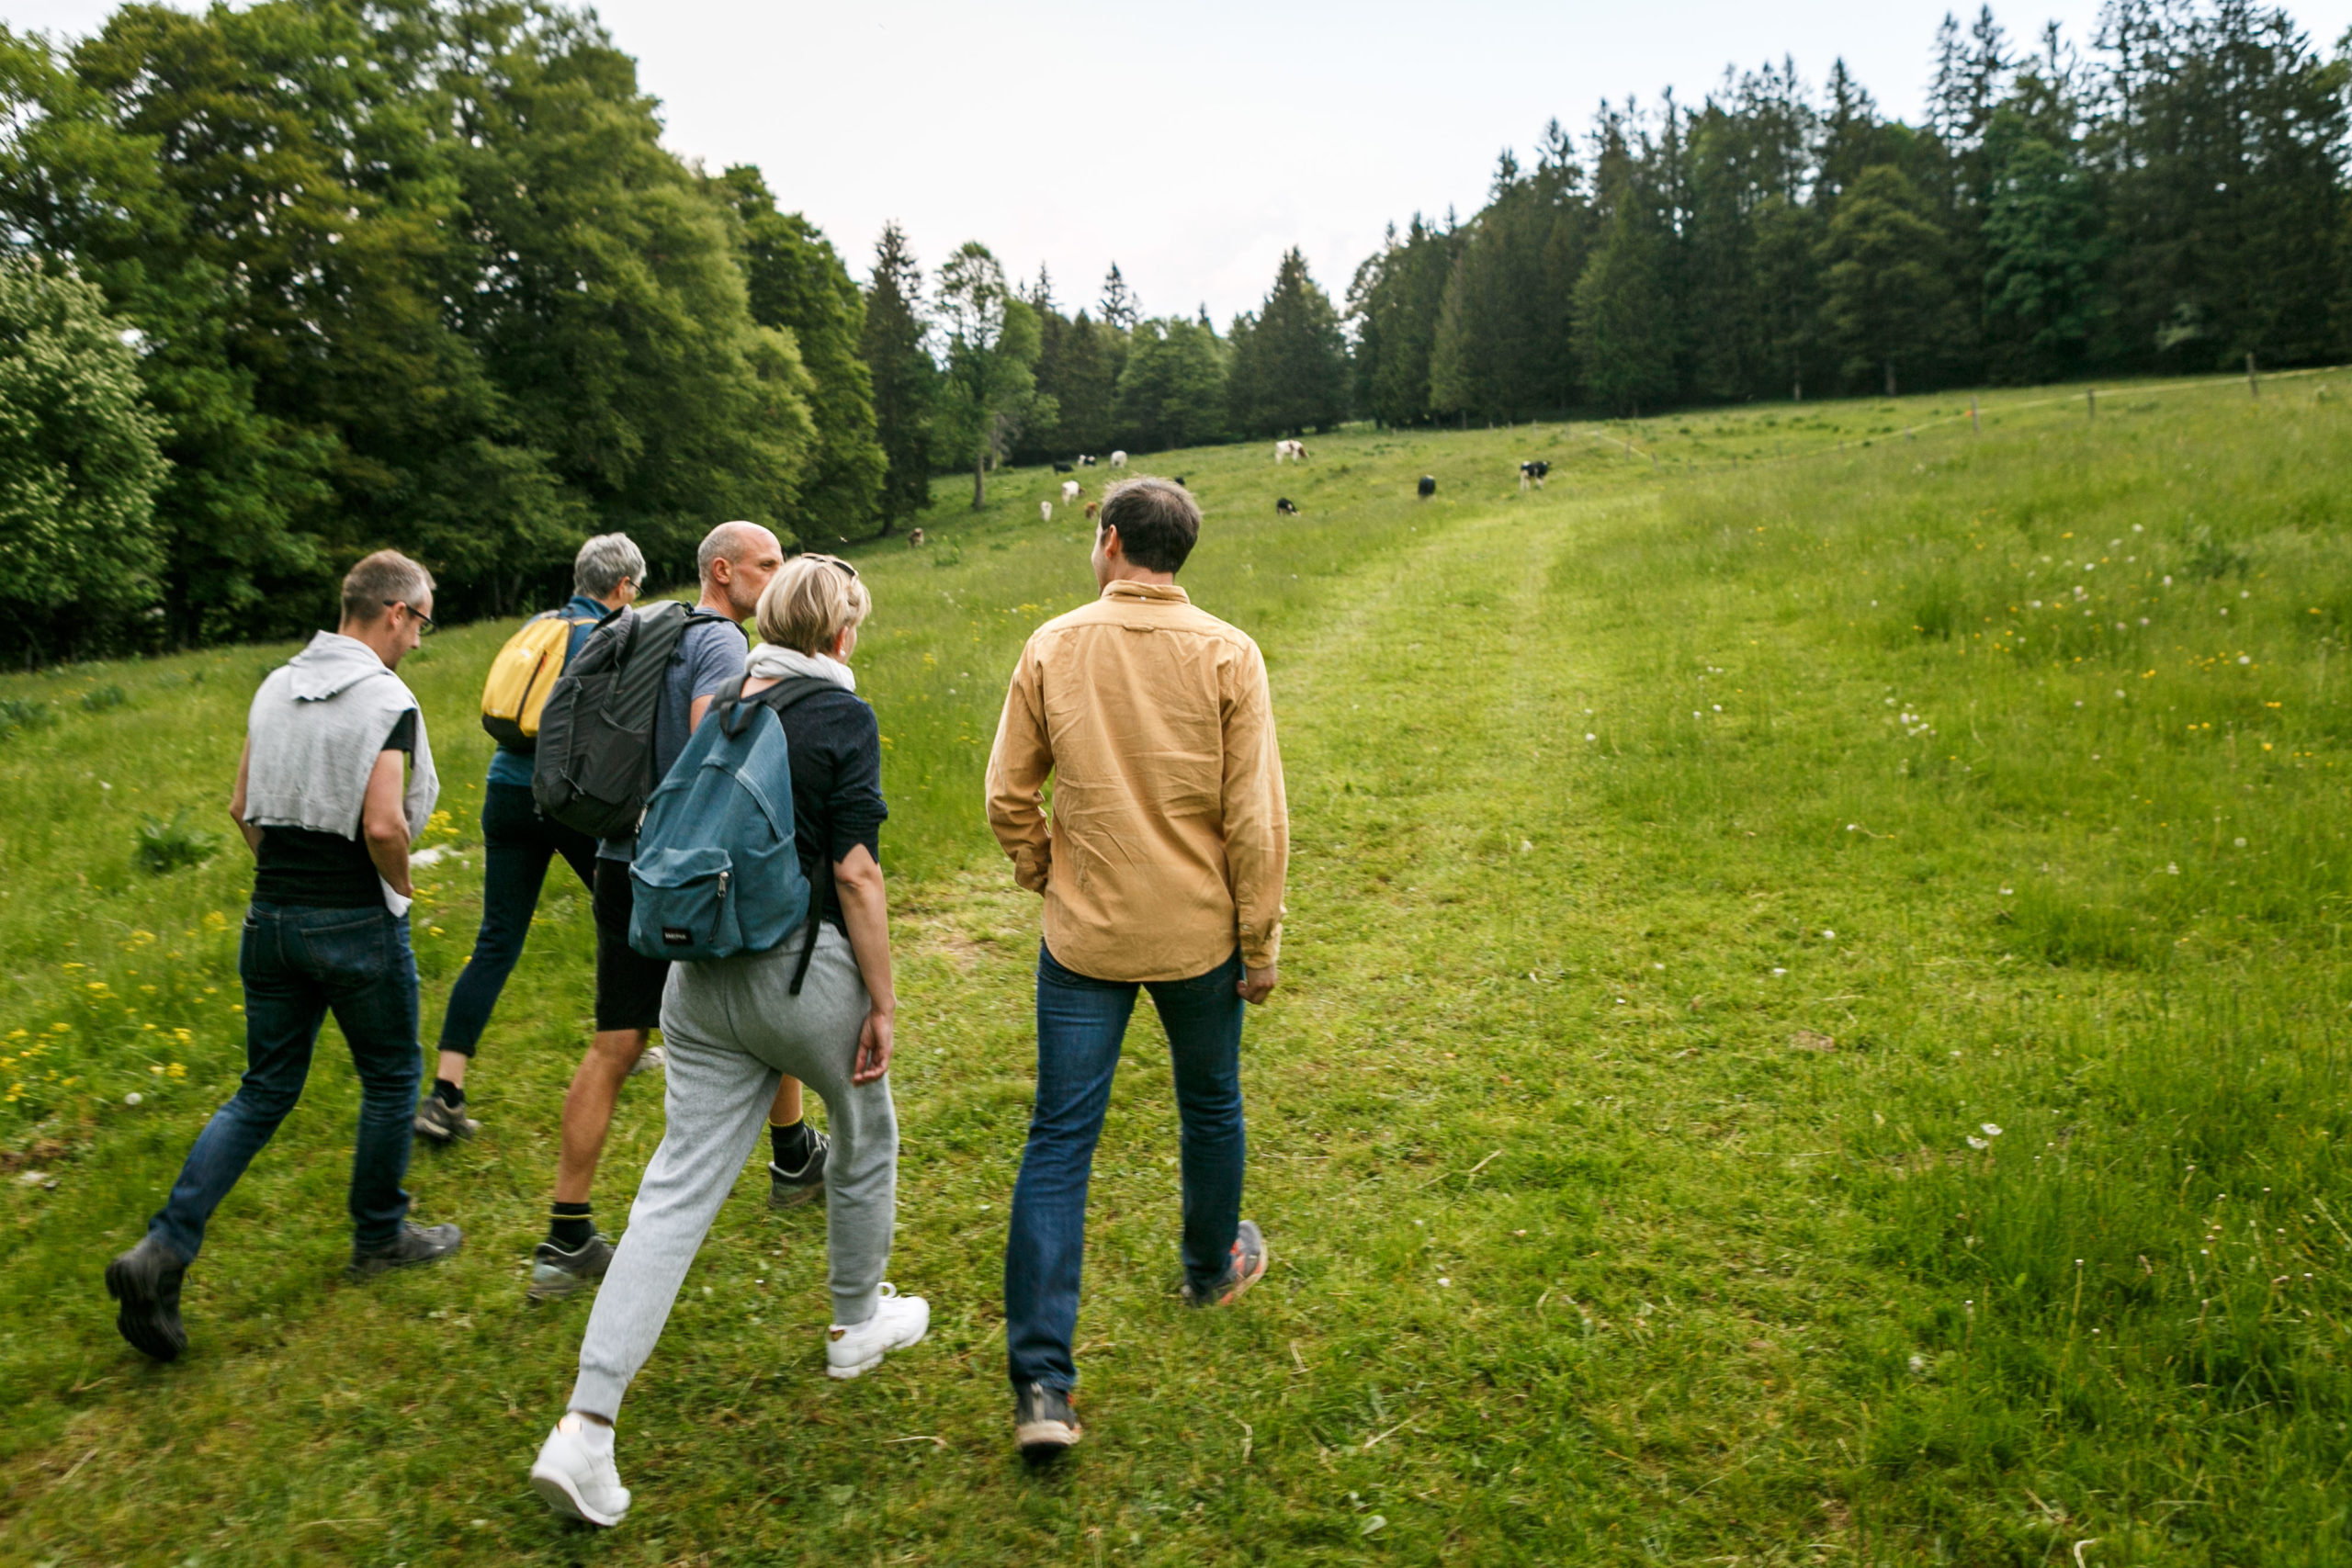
x=734, y=1026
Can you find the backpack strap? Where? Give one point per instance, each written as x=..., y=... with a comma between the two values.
x=777, y=698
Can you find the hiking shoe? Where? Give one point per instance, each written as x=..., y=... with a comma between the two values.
x=578, y=1480
x=652, y=1059
x=1043, y=1426
x=439, y=1122
x=146, y=1280
x=790, y=1188
x=415, y=1243
x=897, y=1322
x=1246, y=1268
x=556, y=1273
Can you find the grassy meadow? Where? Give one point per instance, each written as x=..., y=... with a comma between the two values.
x=1814, y=1029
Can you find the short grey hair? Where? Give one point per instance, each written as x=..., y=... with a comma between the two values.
x=603, y=561
x=727, y=542
x=381, y=581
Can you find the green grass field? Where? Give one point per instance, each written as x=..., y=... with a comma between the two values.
x=1814, y=1030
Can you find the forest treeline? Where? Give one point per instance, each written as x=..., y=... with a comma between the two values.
x=285, y=283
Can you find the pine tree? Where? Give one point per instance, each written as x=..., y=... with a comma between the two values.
x=1173, y=389
x=1888, y=306
x=904, y=377
x=1290, y=366
x=1120, y=308
x=1394, y=303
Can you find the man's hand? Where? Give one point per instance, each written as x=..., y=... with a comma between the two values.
x=1256, y=984
x=873, y=1048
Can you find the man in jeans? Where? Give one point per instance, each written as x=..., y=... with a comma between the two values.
x=322, y=800
x=736, y=561
x=1161, y=869
x=518, y=842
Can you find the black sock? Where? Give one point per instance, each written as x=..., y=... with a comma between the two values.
x=788, y=1147
x=448, y=1094
x=569, y=1227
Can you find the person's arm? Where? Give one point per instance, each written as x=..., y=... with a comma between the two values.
x=237, y=799
x=383, y=821
x=1257, y=827
x=866, y=911
x=718, y=660
x=1018, y=765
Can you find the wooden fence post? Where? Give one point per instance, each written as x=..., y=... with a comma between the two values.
x=2090, y=401
x=2253, y=381
x=1976, y=427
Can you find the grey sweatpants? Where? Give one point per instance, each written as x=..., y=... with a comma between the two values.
x=731, y=1030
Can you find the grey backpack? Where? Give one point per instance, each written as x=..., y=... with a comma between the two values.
x=594, y=768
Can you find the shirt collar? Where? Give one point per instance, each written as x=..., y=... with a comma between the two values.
x=1166, y=594
x=583, y=605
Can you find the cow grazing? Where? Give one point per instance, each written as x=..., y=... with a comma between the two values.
x=1069, y=492
x=1093, y=509
x=1428, y=486
x=1086, y=459
x=1063, y=468
x=914, y=540
x=1294, y=450
x=1118, y=460
x=1286, y=507
x=1532, y=474
x=1045, y=511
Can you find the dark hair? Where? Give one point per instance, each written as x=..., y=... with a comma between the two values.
x=1158, y=522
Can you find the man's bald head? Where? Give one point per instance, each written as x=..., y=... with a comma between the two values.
x=736, y=560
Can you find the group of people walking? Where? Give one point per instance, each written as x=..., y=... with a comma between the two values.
x=1160, y=864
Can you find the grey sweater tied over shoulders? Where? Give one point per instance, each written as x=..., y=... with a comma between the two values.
x=316, y=727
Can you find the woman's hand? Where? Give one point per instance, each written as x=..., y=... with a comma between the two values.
x=873, y=1047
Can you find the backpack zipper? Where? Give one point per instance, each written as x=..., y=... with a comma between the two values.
x=718, y=915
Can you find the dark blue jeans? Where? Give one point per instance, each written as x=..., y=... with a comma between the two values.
x=297, y=963
x=517, y=844
x=1081, y=1024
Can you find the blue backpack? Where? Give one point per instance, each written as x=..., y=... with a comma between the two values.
x=717, y=872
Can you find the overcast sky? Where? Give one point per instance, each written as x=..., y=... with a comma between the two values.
x=1192, y=144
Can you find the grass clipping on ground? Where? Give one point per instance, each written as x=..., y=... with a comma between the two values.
x=1812, y=1031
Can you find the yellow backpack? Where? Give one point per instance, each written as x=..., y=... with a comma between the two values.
x=522, y=676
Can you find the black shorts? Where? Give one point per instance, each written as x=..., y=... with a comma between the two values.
x=628, y=984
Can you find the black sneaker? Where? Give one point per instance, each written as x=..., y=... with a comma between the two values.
x=146, y=1280
x=556, y=1273
x=1246, y=1266
x=439, y=1122
x=415, y=1243
x=1043, y=1426
x=790, y=1188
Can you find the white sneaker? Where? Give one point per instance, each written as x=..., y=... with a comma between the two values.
x=652, y=1059
x=576, y=1480
x=897, y=1322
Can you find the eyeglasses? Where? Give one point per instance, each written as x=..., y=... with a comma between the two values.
x=424, y=623
x=836, y=561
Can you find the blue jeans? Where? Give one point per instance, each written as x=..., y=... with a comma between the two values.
x=297, y=963
x=517, y=844
x=1081, y=1023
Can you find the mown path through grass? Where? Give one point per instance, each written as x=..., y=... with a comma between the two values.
x=1649, y=976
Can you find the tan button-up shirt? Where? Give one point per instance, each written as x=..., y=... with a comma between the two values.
x=1169, y=836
